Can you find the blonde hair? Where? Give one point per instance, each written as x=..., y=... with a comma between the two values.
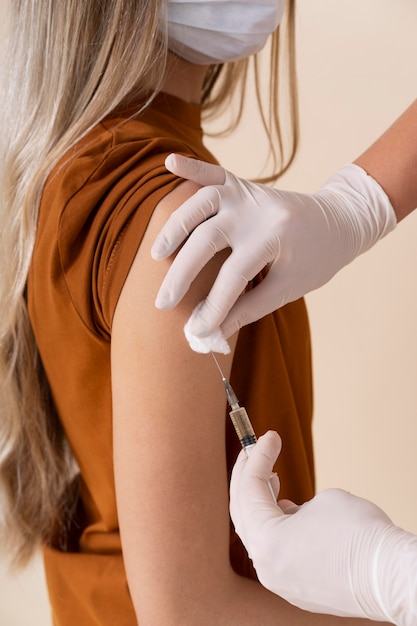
x=66, y=65
x=277, y=104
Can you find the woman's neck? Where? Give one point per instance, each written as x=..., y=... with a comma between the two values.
x=183, y=79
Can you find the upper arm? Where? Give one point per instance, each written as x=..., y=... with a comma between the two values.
x=169, y=460
x=169, y=441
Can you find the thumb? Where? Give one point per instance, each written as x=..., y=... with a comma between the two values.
x=197, y=171
x=250, y=476
x=263, y=456
x=288, y=506
x=250, y=498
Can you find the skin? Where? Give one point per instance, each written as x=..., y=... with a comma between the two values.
x=172, y=493
x=392, y=161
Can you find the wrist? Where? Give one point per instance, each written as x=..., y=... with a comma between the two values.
x=363, y=210
x=395, y=576
x=365, y=565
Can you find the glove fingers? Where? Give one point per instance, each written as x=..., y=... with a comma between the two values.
x=207, y=240
x=193, y=169
x=275, y=484
x=230, y=282
x=263, y=456
x=193, y=212
x=250, y=498
x=235, y=489
x=253, y=305
x=258, y=464
x=288, y=507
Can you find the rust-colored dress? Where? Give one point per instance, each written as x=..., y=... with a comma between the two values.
x=94, y=211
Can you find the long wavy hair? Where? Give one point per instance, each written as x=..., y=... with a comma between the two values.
x=65, y=66
x=277, y=100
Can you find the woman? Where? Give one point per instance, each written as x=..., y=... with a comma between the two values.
x=138, y=530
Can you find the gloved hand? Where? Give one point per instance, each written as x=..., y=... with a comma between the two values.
x=335, y=554
x=303, y=240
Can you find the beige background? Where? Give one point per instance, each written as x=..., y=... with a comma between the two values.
x=357, y=72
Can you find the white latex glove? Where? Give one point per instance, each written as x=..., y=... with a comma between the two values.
x=335, y=554
x=303, y=239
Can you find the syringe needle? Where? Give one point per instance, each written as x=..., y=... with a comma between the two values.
x=231, y=396
x=218, y=366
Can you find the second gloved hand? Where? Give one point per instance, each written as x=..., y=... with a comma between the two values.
x=303, y=240
x=336, y=554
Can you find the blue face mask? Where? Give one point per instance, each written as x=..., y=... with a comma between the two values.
x=215, y=31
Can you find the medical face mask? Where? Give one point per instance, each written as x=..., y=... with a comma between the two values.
x=216, y=31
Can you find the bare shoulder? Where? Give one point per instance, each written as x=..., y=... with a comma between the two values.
x=145, y=277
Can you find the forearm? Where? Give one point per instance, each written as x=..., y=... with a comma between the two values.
x=392, y=161
x=250, y=604
x=241, y=602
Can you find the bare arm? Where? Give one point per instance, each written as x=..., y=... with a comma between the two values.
x=170, y=469
x=392, y=161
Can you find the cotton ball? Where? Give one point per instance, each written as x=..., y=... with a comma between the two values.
x=215, y=342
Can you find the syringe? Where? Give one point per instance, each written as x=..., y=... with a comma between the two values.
x=240, y=420
x=238, y=415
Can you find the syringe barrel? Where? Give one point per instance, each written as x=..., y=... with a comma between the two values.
x=243, y=427
x=247, y=436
